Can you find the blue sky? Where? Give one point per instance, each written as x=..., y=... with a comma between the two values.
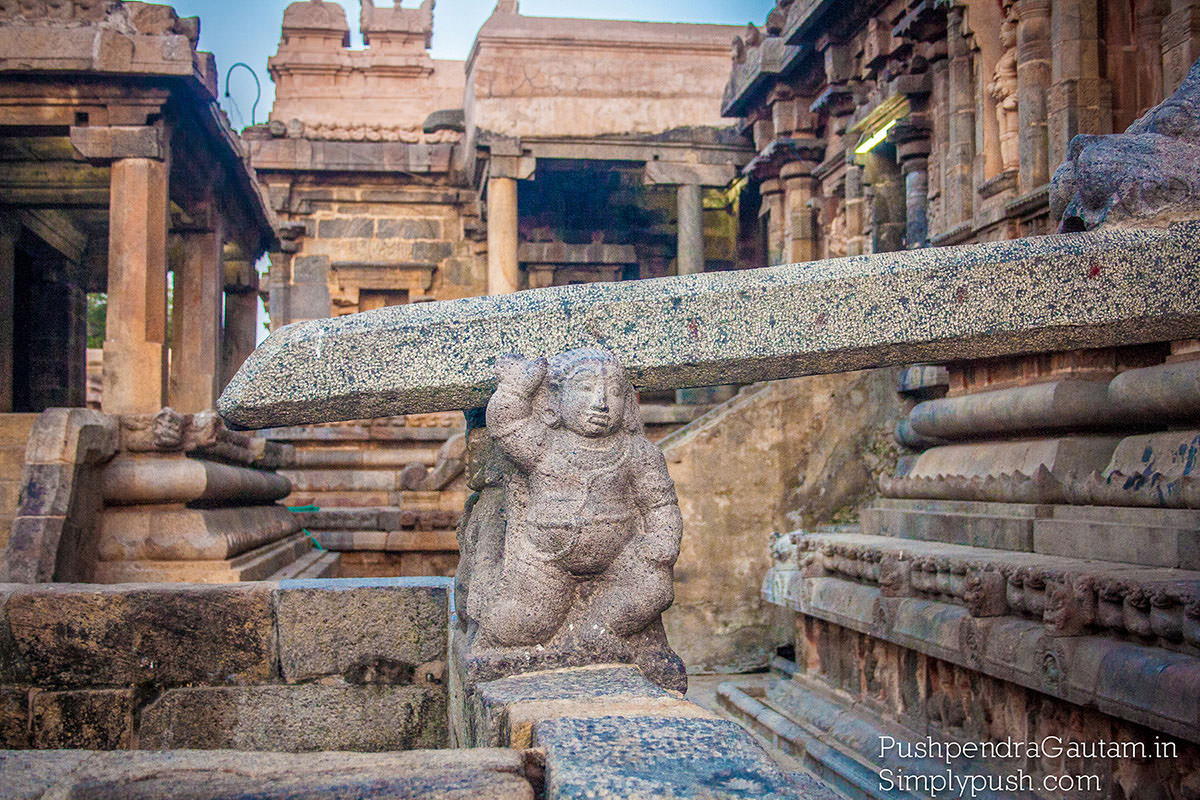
x=248, y=30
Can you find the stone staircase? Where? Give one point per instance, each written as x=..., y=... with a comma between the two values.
x=14, y=435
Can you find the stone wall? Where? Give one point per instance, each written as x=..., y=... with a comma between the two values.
x=801, y=451
x=291, y=666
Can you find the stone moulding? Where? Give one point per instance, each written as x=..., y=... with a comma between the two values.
x=1095, y=289
x=1071, y=597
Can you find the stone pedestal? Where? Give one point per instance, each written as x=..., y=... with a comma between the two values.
x=135, y=364
x=503, y=272
x=690, y=233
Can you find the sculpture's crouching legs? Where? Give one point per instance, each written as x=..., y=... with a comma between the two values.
x=637, y=590
x=530, y=606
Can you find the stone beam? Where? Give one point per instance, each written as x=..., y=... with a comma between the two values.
x=1096, y=289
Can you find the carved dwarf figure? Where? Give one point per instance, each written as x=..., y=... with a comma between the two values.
x=572, y=541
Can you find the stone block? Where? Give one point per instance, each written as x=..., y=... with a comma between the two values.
x=14, y=718
x=77, y=635
x=346, y=228
x=432, y=252
x=504, y=712
x=86, y=719
x=654, y=757
x=200, y=775
x=417, y=228
x=298, y=718
x=363, y=630
x=310, y=269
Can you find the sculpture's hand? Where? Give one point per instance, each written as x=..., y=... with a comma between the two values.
x=520, y=375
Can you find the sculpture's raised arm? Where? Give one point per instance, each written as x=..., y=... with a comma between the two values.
x=512, y=419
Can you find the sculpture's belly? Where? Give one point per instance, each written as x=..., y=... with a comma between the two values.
x=599, y=542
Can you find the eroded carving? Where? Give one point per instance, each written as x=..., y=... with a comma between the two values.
x=568, y=549
x=1148, y=172
x=1003, y=91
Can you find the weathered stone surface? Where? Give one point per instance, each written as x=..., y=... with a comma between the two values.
x=297, y=718
x=1064, y=292
x=14, y=717
x=86, y=719
x=567, y=552
x=654, y=757
x=805, y=451
x=200, y=775
x=364, y=630
x=1145, y=173
x=160, y=634
x=503, y=712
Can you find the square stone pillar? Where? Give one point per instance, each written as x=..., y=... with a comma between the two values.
x=958, y=184
x=1033, y=83
x=1079, y=100
x=799, y=186
x=196, y=322
x=280, y=300
x=240, y=332
x=689, y=254
x=503, y=270
x=135, y=363
x=9, y=231
x=1180, y=43
x=771, y=191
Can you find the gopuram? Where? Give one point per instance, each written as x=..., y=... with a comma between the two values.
x=581, y=361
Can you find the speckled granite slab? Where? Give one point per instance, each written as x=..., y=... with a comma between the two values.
x=1060, y=292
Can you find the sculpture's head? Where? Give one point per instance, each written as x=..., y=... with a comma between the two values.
x=590, y=394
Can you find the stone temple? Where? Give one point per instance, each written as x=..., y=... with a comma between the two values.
x=808, y=409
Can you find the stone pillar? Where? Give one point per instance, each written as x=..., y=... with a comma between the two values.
x=240, y=332
x=913, y=145
x=689, y=254
x=856, y=242
x=9, y=231
x=278, y=284
x=1079, y=101
x=799, y=187
x=772, y=200
x=1148, y=28
x=1180, y=43
x=135, y=364
x=1033, y=82
x=503, y=269
x=196, y=322
x=958, y=185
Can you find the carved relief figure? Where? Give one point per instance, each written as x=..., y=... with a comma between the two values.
x=1003, y=91
x=572, y=549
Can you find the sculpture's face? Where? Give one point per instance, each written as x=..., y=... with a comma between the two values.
x=592, y=401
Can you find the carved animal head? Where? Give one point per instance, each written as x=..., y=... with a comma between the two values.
x=1147, y=172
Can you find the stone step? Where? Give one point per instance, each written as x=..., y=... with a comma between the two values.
x=313, y=564
x=255, y=565
x=356, y=518
x=390, y=541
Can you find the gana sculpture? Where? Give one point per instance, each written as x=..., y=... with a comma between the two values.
x=569, y=544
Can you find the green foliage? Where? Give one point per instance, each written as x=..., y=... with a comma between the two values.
x=97, y=317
